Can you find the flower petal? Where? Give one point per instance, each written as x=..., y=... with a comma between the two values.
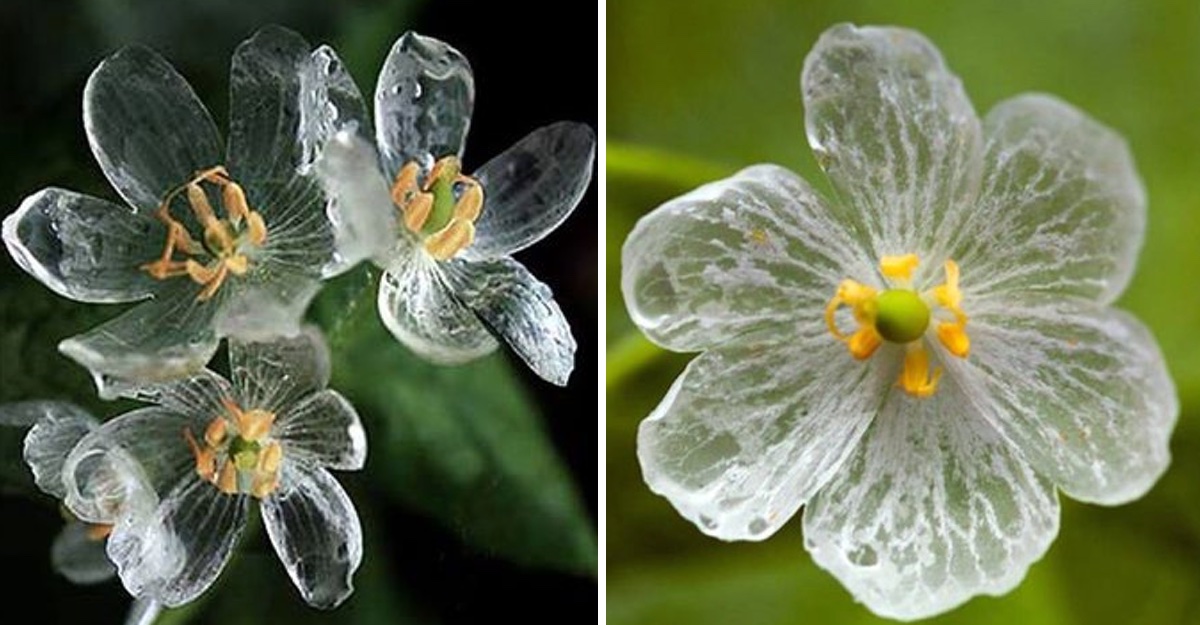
x=166, y=337
x=748, y=433
x=174, y=554
x=147, y=444
x=735, y=256
x=324, y=430
x=1082, y=391
x=200, y=396
x=423, y=102
x=933, y=509
x=273, y=375
x=57, y=428
x=84, y=248
x=421, y=311
x=147, y=128
x=143, y=612
x=532, y=187
x=1062, y=209
x=894, y=131
x=315, y=530
x=519, y=308
x=80, y=558
x=270, y=302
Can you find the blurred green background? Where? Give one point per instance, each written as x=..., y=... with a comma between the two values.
x=479, y=495
x=697, y=90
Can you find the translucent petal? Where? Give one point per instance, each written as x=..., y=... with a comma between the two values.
x=143, y=612
x=747, y=434
x=80, y=558
x=264, y=113
x=84, y=248
x=58, y=427
x=274, y=375
x=360, y=208
x=734, y=256
x=423, y=102
x=315, y=530
x=147, y=445
x=330, y=102
x=324, y=430
x=1082, y=391
x=532, y=187
x=175, y=554
x=521, y=310
x=894, y=131
x=421, y=311
x=268, y=304
x=933, y=508
x=167, y=337
x=1062, y=209
x=199, y=396
x=147, y=128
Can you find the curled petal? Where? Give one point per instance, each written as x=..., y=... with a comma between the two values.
x=934, y=508
x=324, y=430
x=84, y=248
x=532, y=187
x=521, y=310
x=57, y=428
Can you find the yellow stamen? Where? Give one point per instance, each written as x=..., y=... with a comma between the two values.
x=953, y=336
x=420, y=201
x=470, y=204
x=864, y=342
x=416, y=212
x=452, y=239
x=206, y=459
x=915, y=379
x=227, y=482
x=214, y=434
x=899, y=267
x=98, y=532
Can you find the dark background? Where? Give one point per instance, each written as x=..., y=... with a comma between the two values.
x=49, y=48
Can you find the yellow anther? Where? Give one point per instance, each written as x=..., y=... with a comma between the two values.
x=264, y=484
x=954, y=337
x=227, y=481
x=854, y=295
x=237, y=265
x=256, y=229
x=405, y=184
x=98, y=532
x=470, y=203
x=899, y=267
x=947, y=294
x=234, y=199
x=915, y=379
x=214, y=434
x=452, y=239
x=440, y=213
x=206, y=459
x=270, y=458
x=864, y=342
x=416, y=212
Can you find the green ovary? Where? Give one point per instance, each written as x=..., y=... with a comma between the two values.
x=901, y=316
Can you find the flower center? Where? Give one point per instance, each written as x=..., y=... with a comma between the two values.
x=237, y=454
x=442, y=209
x=902, y=315
x=221, y=251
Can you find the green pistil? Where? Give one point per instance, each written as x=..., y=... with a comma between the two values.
x=901, y=316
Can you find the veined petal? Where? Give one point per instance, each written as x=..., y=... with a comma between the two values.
x=735, y=256
x=267, y=304
x=315, y=530
x=521, y=310
x=1062, y=208
x=1082, y=391
x=324, y=430
x=894, y=131
x=199, y=396
x=748, y=433
x=57, y=428
x=147, y=128
x=174, y=554
x=532, y=187
x=421, y=311
x=423, y=102
x=147, y=445
x=84, y=248
x=934, y=508
x=276, y=374
x=80, y=558
x=169, y=336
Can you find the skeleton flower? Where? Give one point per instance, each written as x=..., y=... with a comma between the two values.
x=450, y=282
x=214, y=242
x=208, y=449
x=920, y=360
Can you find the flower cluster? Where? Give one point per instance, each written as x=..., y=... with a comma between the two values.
x=231, y=241
x=920, y=361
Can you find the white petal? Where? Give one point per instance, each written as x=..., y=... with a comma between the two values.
x=532, y=187
x=174, y=554
x=167, y=337
x=147, y=128
x=421, y=311
x=933, y=509
x=1081, y=390
x=80, y=558
x=274, y=375
x=315, y=530
x=748, y=434
x=199, y=396
x=1062, y=209
x=323, y=430
x=423, y=102
x=58, y=427
x=734, y=256
x=521, y=310
x=891, y=126
x=84, y=248
x=270, y=302
x=330, y=102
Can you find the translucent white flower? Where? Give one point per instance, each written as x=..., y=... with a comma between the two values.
x=444, y=238
x=215, y=241
x=920, y=360
x=208, y=449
